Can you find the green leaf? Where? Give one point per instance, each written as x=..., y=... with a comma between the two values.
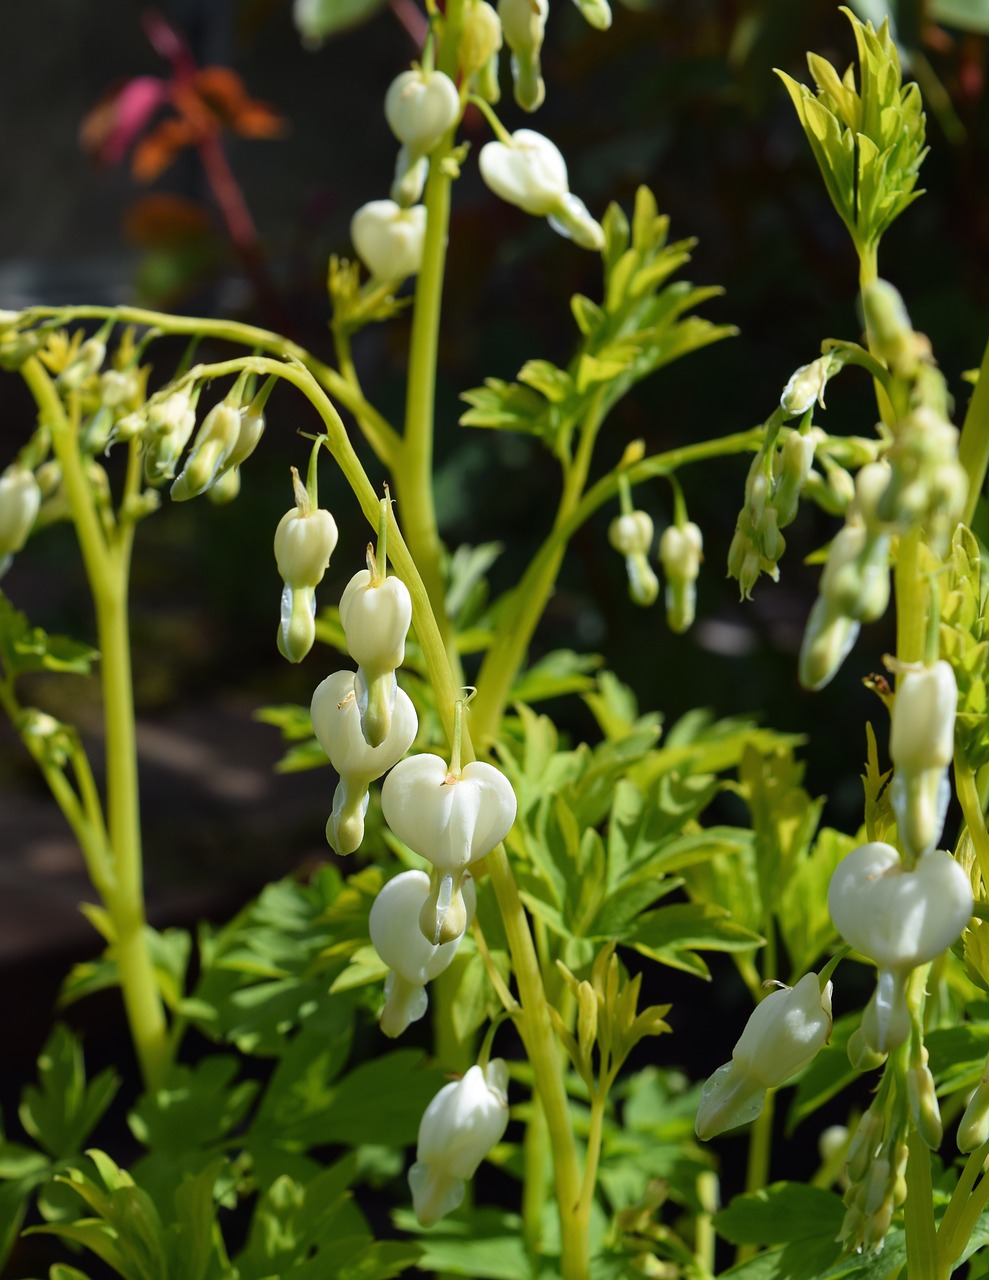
x=486, y=1244
x=24, y=648
x=673, y=935
x=555, y=674
x=779, y=1214
x=62, y=1111
x=380, y=1101
x=196, y=1106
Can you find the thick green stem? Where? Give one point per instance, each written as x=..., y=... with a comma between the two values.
x=540, y=1042
x=107, y=566
x=413, y=475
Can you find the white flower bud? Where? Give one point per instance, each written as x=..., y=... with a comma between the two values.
x=827, y=641
x=532, y=174
x=216, y=440
x=523, y=23
x=20, y=499
x=337, y=725
x=681, y=551
x=922, y=725
x=389, y=239
x=806, y=386
x=171, y=422
x=395, y=934
x=304, y=542
x=480, y=37
x=631, y=533
x=458, y=1129
x=421, y=107
x=376, y=617
x=449, y=819
x=783, y=1033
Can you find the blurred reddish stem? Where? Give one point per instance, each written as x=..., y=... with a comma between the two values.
x=226, y=190
x=411, y=17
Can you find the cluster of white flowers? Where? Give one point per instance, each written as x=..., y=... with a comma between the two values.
x=448, y=814
x=423, y=106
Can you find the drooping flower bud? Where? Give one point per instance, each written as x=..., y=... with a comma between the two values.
x=480, y=42
x=398, y=940
x=631, y=535
x=891, y=335
x=304, y=541
x=806, y=386
x=524, y=23
x=337, y=726
x=921, y=745
x=681, y=549
x=421, y=107
x=531, y=173
x=375, y=612
x=170, y=423
x=899, y=919
x=215, y=441
x=389, y=239
x=20, y=499
x=596, y=13
x=973, y=1128
x=458, y=1129
x=783, y=1033
x=792, y=467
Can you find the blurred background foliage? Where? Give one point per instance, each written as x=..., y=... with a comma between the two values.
x=681, y=96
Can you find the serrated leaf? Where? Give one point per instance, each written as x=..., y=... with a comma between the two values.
x=673, y=935
x=553, y=383
x=62, y=1110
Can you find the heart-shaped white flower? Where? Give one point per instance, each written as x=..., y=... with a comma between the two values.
x=420, y=108
x=896, y=917
x=449, y=819
x=389, y=239
x=530, y=173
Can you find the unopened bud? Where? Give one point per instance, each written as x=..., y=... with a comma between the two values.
x=924, y=1107
x=480, y=37
x=20, y=499
x=523, y=23
x=389, y=238
x=421, y=108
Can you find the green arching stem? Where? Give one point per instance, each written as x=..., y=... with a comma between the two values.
x=973, y=447
x=107, y=564
x=381, y=435
x=911, y=598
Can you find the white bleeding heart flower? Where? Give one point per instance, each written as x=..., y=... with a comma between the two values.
x=389, y=239
x=376, y=616
x=337, y=725
x=398, y=940
x=631, y=533
x=304, y=541
x=458, y=1129
x=783, y=1033
x=450, y=819
x=921, y=744
x=420, y=108
x=375, y=612
x=530, y=172
x=899, y=919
